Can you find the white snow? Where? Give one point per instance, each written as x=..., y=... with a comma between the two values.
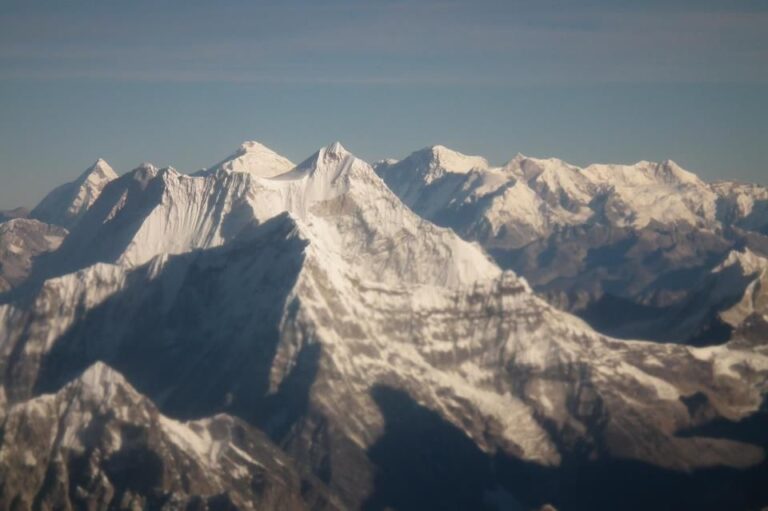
x=529, y=197
x=67, y=203
x=256, y=159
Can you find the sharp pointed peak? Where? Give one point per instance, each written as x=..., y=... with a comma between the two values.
x=254, y=146
x=99, y=170
x=336, y=149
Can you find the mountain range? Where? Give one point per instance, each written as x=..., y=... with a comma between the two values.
x=430, y=333
x=626, y=247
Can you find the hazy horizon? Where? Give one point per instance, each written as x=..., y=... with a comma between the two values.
x=181, y=84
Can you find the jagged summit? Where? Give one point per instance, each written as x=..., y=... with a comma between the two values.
x=326, y=155
x=328, y=172
x=336, y=149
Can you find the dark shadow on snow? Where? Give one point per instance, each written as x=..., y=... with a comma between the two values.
x=200, y=337
x=425, y=462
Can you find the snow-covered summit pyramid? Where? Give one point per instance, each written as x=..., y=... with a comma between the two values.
x=65, y=205
x=254, y=158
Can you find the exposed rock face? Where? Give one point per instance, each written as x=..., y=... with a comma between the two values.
x=10, y=214
x=21, y=240
x=624, y=246
x=66, y=204
x=99, y=444
x=314, y=306
x=749, y=315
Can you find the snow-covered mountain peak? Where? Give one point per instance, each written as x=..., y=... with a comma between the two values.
x=454, y=161
x=66, y=204
x=328, y=155
x=99, y=172
x=430, y=164
x=332, y=162
x=253, y=146
x=336, y=149
x=253, y=158
x=529, y=198
x=337, y=198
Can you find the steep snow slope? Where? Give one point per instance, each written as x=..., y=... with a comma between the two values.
x=66, y=204
x=98, y=443
x=292, y=299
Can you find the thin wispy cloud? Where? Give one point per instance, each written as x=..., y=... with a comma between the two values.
x=432, y=43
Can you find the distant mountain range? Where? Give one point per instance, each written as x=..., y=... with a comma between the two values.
x=629, y=248
x=340, y=335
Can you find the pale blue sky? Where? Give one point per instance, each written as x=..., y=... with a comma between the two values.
x=183, y=82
